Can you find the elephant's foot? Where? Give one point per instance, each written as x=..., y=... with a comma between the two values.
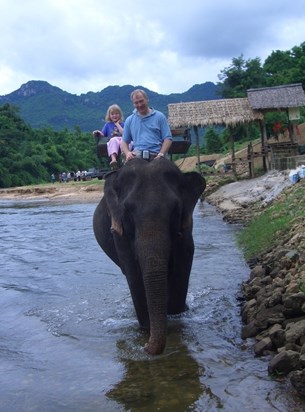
x=154, y=348
x=144, y=328
x=177, y=310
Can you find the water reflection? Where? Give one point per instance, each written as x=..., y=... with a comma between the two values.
x=169, y=382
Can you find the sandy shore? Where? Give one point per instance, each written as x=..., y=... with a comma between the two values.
x=81, y=192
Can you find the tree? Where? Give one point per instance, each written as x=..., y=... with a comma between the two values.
x=286, y=67
x=213, y=141
x=240, y=76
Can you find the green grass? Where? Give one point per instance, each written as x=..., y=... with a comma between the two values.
x=271, y=227
x=302, y=287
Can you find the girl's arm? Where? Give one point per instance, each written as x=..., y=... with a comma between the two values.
x=97, y=133
x=120, y=128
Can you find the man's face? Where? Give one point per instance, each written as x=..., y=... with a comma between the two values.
x=140, y=103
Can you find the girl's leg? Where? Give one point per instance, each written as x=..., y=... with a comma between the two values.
x=113, y=147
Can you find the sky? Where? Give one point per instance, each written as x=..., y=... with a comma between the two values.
x=165, y=46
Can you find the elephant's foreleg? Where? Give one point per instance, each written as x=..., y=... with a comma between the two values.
x=136, y=287
x=179, y=273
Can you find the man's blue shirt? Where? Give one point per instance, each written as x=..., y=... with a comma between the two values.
x=146, y=132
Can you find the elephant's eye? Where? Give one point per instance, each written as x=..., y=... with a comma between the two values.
x=129, y=206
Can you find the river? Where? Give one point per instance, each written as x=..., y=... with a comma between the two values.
x=69, y=338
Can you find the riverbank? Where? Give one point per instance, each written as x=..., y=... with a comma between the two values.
x=273, y=299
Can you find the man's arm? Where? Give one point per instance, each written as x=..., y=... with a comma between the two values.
x=125, y=149
x=165, y=147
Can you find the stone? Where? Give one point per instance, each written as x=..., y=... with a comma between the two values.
x=277, y=337
x=270, y=316
x=275, y=298
x=293, y=304
x=293, y=287
x=293, y=255
x=284, y=362
x=262, y=346
x=248, y=311
x=295, y=331
x=251, y=330
x=297, y=379
x=258, y=271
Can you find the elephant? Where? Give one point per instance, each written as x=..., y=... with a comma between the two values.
x=144, y=223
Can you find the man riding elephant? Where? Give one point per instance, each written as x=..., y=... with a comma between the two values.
x=147, y=129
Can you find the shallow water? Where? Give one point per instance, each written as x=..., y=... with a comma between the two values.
x=69, y=339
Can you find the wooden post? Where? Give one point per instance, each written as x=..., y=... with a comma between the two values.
x=293, y=132
x=231, y=130
x=250, y=160
x=264, y=144
x=197, y=147
x=290, y=129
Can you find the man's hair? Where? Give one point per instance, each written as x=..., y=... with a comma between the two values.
x=138, y=91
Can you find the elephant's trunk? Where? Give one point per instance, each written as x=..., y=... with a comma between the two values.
x=153, y=252
x=156, y=295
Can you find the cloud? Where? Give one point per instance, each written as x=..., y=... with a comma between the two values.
x=83, y=46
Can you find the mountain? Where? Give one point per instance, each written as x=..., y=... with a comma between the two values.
x=44, y=105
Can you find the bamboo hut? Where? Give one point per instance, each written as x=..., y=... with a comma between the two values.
x=277, y=98
x=285, y=98
x=227, y=112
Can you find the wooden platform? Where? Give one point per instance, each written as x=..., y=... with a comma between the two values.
x=180, y=145
x=181, y=141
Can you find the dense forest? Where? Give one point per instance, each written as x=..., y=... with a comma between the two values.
x=30, y=155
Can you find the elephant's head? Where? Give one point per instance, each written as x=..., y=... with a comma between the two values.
x=149, y=207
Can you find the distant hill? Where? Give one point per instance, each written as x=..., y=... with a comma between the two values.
x=43, y=105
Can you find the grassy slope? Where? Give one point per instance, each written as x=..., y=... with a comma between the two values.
x=274, y=224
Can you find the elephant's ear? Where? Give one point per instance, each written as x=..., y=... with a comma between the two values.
x=193, y=187
x=111, y=193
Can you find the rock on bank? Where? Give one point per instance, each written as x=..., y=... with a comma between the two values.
x=238, y=201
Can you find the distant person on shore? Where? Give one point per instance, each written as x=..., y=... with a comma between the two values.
x=113, y=130
x=147, y=128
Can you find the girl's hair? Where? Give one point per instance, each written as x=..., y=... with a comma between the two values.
x=114, y=108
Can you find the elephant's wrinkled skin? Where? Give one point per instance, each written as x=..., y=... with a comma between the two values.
x=144, y=224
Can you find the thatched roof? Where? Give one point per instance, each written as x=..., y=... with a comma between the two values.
x=227, y=112
x=279, y=97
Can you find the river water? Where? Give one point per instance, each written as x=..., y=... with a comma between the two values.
x=69, y=339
